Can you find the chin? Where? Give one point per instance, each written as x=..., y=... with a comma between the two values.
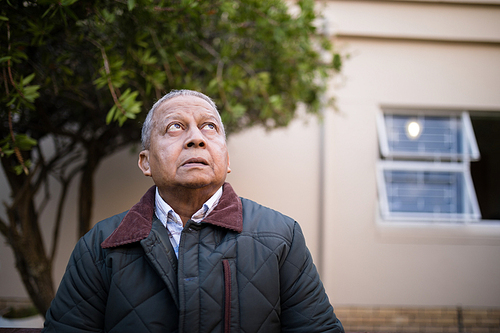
x=197, y=184
x=200, y=182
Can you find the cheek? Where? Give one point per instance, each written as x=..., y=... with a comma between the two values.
x=163, y=161
x=222, y=162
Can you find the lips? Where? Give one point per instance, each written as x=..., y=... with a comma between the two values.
x=195, y=160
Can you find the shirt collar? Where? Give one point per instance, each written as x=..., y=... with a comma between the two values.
x=138, y=221
x=162, y=208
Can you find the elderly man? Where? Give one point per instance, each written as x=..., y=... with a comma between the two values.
x=191, y=256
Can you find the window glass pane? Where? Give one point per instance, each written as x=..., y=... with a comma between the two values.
x=424, y=192
x=424, y=135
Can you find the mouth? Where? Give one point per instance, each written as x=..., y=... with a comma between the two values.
x=195, y=161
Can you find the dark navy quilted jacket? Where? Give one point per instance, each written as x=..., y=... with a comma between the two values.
x=245, y=268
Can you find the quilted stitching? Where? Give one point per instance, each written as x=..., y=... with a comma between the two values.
x=269, y=246
x=129, y=309
x=253, y=276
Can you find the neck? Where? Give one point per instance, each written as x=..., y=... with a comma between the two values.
x=185, y=201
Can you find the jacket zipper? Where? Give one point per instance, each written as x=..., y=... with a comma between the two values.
x=227, y=295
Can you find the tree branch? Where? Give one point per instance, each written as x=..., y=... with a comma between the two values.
x=24, y=192
x=57, y=224
x=6, y=81
x=108, y=74
x=4, y=228
x=8, y=230
x=166, y=65
x=220, y=80
x=8, y=63
x=209, y=48
x=17, y=152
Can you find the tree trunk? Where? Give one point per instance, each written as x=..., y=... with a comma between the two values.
x=36, y=274
x=86, y=199
x=23, y=235
x=22, y=230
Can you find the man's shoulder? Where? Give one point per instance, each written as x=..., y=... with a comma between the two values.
x=261, y=219
x=89, y=246
x=101, y=230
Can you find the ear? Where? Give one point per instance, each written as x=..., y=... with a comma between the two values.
x=144, y=163
x=228, y=164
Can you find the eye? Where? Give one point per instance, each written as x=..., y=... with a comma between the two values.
x=209, y=126
x=175, y=127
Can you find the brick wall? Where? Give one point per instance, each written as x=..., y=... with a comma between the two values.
x=412, y=319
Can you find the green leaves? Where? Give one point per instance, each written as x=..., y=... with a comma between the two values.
x=337, y=62
x=21, y=142
x=118, y=74
x=130, y=4
x=127, y=108
x=67, y=2
x=23, y=93
x=24, y=142
x=109, y=61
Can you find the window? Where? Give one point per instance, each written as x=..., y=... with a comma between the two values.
x=427, y=137
x=424, y=168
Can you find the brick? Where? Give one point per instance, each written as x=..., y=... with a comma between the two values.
x=389, y=328
x=431, y=329
x=477, y=330
x=423, y=320
x=449, y=312
x=345, y=310
x=401, y=320
x=414, y=319
x=375, y=321
x=493, y=313
x=403, y=329
x=432, y=311
x=469, y=320
x=387, y=312
x=367, y=312
x=489, y=322
x=360, y=328
x=446, y=321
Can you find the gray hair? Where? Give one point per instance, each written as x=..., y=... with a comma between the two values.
x=147, y=126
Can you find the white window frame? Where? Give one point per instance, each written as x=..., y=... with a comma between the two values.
x=469, y=194
x=468, y=138
x=459, y=163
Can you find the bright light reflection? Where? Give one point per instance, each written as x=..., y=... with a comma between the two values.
x=413, y=129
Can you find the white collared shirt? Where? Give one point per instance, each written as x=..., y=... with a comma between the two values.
x=172, y=221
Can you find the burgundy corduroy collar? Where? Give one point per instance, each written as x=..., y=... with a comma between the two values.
x=137, y=223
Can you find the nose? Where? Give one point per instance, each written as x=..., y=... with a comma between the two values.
x=195, y=139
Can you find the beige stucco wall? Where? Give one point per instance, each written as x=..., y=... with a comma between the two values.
x=433, y=59
x=431, y=56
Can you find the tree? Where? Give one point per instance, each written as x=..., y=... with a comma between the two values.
x=80, y=75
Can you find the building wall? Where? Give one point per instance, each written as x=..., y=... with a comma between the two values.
x=414, y=54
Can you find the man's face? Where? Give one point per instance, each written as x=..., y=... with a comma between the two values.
x=187, y=146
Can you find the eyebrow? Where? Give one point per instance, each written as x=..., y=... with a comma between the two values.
x=179, y=116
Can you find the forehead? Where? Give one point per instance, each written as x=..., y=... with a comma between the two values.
x=185, y=106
